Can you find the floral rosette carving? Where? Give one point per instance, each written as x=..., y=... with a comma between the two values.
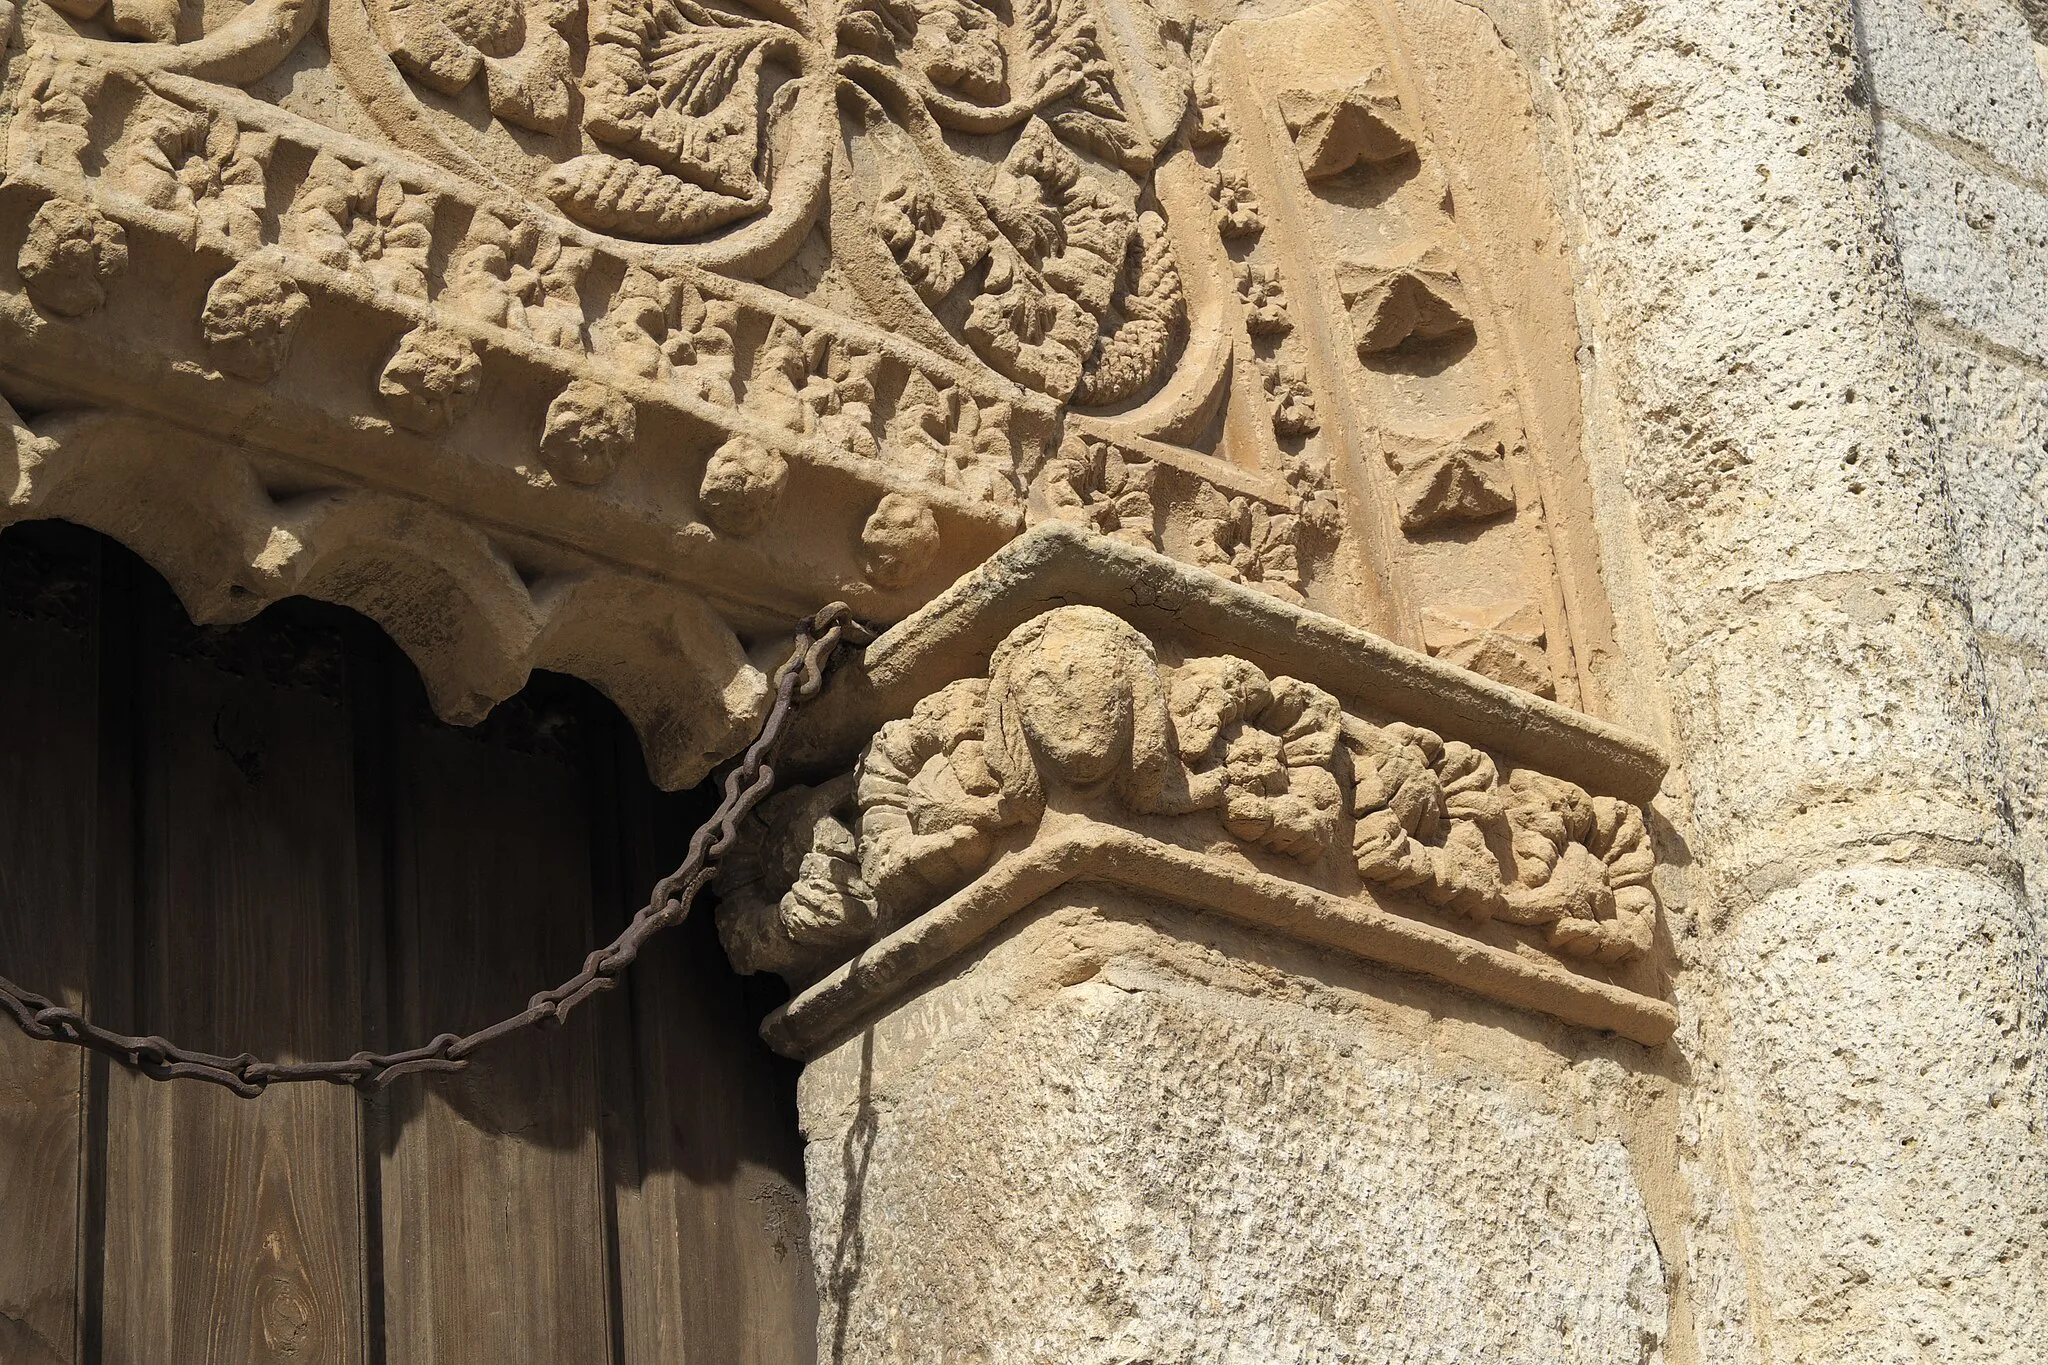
x=1043, y=250
x=1077, y=707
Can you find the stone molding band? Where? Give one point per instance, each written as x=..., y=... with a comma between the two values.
x=1085, y=851
x=1079, y=711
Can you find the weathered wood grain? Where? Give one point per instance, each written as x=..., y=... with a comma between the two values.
x=714, y=1251
x=258, y=839
x=234, y=1226
x=494, y=1230
x=48, y=799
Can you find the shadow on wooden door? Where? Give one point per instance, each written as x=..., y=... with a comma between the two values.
x=259, y=838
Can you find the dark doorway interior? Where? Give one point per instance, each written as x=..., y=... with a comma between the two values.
x=258, y=838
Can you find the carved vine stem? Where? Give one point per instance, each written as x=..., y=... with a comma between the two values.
x=813, y=651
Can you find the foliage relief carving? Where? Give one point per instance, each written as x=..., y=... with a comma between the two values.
x=1078, y=711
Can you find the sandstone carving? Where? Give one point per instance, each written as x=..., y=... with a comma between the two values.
x=1077, y=712
x=1502, y=640
x=589, y=426
x=1293, y=401
x=250, y=317
x=1408, y=307
x=1336, y=131
x=743, y=481
x=1092, y=483
x=205, y=167
x=430, y=380
x=1245, y=541
x=912, y=239
x=1460, y=478
x=363, y=218
x=71, y=254
x=519, y=48
x=899, y=541
x=510, y=274
x=1265, y=301
x=1237, y=206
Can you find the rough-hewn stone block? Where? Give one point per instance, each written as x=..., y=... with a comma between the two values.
x=1974, y=245
x=1964, y=69
x=1993, y=417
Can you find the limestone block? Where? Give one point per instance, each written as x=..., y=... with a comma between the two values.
x=1883, y=1059
x=1830, y=714
x=1964, y=69
x=1974, y=246
x=1117, y=1137
x=1993, y=419
x=2019, y=701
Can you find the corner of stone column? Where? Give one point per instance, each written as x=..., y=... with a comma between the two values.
x=1162, y=973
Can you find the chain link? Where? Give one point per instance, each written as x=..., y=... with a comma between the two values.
x=814, y=649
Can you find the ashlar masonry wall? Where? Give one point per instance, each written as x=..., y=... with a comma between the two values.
x=1809, y=246
x=1961, y=106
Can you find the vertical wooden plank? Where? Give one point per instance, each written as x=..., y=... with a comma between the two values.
x=494, y=1248
x=49, y=775
x=234, y=1226
x=714, y=1250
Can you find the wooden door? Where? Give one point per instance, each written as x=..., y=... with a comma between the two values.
x=258, y=838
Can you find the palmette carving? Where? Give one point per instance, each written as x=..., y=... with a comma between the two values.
x=1078, y=713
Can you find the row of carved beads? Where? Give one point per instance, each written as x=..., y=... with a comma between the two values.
x=375, y=227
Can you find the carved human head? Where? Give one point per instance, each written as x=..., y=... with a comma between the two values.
x=1075, y=696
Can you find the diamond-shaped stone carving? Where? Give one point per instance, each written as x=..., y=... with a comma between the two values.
x=1336, y=131
x=1462, y=476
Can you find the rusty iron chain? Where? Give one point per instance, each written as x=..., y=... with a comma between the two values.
x=814, y=649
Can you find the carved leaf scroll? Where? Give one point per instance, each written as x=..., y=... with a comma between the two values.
x=1075, y=290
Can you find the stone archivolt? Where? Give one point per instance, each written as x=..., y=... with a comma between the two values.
x=751, y=305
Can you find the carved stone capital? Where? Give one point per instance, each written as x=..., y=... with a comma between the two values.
x=1081, y=712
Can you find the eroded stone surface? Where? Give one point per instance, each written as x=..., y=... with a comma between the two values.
x=1455, y=321
x=1104, y=1144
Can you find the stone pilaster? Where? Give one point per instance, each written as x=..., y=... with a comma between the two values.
x=1171, y=992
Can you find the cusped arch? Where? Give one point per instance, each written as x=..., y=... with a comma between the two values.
x=198, y=512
